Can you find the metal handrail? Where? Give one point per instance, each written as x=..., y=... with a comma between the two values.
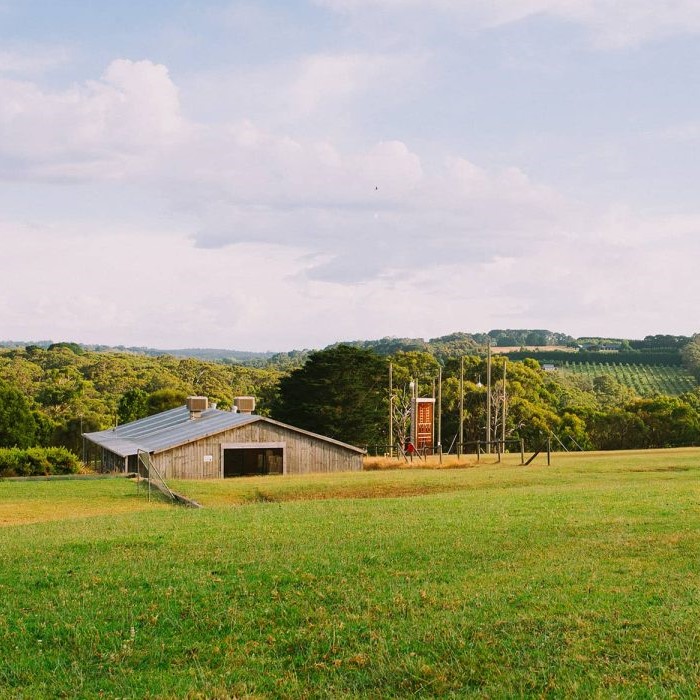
x=144, y=458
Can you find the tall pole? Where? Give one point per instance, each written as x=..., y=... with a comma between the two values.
x=488, y=399
x=432, y=436
x=439, y=410
x=391, y=410
x=82, y=437
x=504, y=411
x=461, y=406
x=414, y=414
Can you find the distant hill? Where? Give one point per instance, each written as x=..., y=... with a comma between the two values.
x=211, y=354
x=517, y=343
x=461, y=343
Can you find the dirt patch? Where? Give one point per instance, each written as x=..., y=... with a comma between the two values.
x=659, y=469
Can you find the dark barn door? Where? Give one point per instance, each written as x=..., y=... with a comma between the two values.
x=252, y=461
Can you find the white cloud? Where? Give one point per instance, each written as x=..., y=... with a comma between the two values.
x=103, y=128
x=314, y=94
x=328, y=240
x=32, y=59
x=361, y=210
x=333, y=78
x=612, y=23
x=134, y=287
x=624, y=276
x=682, y=133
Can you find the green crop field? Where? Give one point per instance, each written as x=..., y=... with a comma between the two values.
x=575, y=580
x=646, y=380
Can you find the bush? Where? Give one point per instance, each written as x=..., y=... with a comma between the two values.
x=37, y=461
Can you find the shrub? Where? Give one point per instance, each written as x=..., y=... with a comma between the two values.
x=37, y=461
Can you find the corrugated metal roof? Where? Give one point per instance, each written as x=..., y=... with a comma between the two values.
x=175, y=427
x=167, y=430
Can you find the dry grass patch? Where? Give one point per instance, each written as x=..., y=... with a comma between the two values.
x=25, y=502
x=431, y=462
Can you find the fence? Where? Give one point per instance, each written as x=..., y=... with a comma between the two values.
x=148, y=476
x=478, y=448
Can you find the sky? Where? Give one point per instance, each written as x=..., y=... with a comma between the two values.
x=286, y=174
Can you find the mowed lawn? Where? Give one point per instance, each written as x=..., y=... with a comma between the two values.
x=577, y=580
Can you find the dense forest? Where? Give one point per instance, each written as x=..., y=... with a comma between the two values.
x=50, y=394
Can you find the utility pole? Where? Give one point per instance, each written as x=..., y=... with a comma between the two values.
x=488, y=399
x=432, y=428
x=461, y=406
x=391, y=411
x=439, y=411
x=82, y=437
x=504, y=411
x=414, y=412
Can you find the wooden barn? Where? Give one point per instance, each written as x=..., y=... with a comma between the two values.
x=198, y=442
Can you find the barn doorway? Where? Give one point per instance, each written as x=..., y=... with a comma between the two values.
x=253, y=461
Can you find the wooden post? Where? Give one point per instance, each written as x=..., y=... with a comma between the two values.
x=504, y=410
x=478, y=450
x=461, y=407
x=391, y=410
x=439, y=413
x=488, y=399
x=522, y=451
x=414, y=415
x=432, y=427
x=549, y=451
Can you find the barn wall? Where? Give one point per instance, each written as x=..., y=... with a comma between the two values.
x=303, y=454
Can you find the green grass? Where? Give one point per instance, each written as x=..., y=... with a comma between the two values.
x=646, y=380
x=577, y=580
x=23, y=502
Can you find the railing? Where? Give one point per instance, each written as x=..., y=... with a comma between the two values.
x=148, y=473
x=478, y=447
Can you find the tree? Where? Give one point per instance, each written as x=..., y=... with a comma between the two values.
x=164, y=400
x=610, y=393
x=17, y=424
x=73, y=347
x=69, y=433
x=617, y=429
x=132, y=405
x=669, y=421
x=690, y=355
x=340, y=392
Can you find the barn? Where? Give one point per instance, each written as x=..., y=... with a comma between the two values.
x=197, y=441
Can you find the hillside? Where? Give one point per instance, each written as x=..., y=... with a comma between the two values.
x=645, y=380
x=520, y=343
x=212, y=354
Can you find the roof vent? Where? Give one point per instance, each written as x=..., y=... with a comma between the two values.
x=244, y=404
x=196, y=405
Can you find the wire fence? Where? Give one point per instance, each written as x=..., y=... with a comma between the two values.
x=149, y=478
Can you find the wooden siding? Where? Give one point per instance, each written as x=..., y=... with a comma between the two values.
x=303, y=454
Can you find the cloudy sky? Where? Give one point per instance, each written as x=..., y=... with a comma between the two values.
x=282, y=174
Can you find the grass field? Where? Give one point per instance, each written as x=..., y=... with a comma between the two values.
x=577, y=580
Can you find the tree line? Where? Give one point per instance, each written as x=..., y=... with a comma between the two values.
x=49, y=396
x=343, y=392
